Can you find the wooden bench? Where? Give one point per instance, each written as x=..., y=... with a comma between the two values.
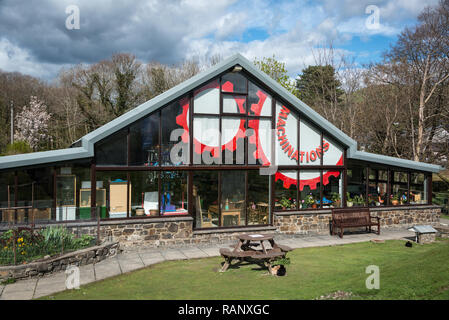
x=352, y=218
x=229, y=255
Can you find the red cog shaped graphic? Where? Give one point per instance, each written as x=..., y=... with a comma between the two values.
x=183, y=121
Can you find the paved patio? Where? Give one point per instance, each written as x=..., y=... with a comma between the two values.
x=133, y=260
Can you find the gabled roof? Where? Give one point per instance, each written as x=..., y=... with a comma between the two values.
x=86, y=149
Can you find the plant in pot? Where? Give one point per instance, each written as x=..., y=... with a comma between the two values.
x=394, y=199
x=359, y=201
x=349, y=200
x=285, y=203
x=336, y=199
x=310, y=201
x=278, y=266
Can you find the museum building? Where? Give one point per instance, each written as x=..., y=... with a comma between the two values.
x=227, y=151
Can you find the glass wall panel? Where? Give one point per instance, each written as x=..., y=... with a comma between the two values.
x=113, y=150
x=310, y=182
x=205, y=198
x=144, y=141
x=286, y=190
x=287, y=136
x=310, y=144
x=332, y=189
x=356, y=191
x=232, y=198
x=259, y=102
x=174, y=193
x=418, y=188
x=172, y=135
x=233, y=82
x=258, y=206
x=115, y=186
x=399, y=188
x=207, y=98
x=144, y=193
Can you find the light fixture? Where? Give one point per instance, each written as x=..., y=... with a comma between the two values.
x=237, y=68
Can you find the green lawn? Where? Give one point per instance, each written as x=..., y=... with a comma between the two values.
x=444, y=216
x=420, y=272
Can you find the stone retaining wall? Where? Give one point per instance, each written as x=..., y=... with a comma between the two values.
x=318, y=222
x=45, y=266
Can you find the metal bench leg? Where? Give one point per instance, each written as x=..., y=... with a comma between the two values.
x=341, y=232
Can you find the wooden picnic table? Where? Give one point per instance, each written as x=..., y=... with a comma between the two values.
x=245, y=249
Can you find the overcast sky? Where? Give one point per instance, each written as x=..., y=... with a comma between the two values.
x=34, y=38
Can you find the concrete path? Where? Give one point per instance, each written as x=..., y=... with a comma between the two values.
x=130, y=261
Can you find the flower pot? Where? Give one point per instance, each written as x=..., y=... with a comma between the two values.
x=395, y=202
x=337, y=203
x=314, y=206
x=350, y=204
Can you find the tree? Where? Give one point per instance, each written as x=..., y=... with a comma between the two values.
x=420, y=61
x=18, y=147
x=32, y=123
x=319, y=87
x=277, y=71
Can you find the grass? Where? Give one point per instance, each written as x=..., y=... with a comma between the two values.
x=420, y=272
x=444, y=216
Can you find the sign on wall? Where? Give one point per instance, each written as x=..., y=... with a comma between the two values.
x=309, y=151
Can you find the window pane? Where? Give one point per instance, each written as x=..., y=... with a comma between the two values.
x=258, y=207
x=115, y=185
x=234, y=104
x=172, y=136
x=259, y=141
x=259, y=102
x=72, y=182
x=206, y=132
x=232, y=198
x=174, y=193
x=233, y=141
x=233, y=82
x=310, y=189
x=333, y=153
x=286, y=130
x=43, y=193
x=418, y=189
x=356, y=187
x=144, y=141
x=207, y=98
x=377, y=193
x=205, y=198
x=310, y=144
x=113, y=151
x=7, y=196
x=332, y=189
x=285, y=190
x=144, y=193
x=399, y=188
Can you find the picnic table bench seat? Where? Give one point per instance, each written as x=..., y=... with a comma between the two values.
x=351, y=218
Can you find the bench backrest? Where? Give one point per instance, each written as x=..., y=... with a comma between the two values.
x=351, y=213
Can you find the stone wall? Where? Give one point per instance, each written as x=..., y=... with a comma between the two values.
x=318, y=222
x=49, y=265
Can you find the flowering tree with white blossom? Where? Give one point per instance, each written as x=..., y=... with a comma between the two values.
x=32, y=123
